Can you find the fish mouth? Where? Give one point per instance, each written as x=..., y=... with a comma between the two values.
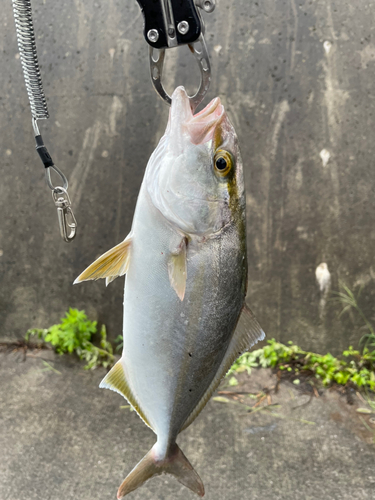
x=200, y=127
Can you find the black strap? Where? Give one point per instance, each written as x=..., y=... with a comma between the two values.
x=43, y=152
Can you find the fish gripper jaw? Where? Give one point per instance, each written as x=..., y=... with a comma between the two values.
x=172, y=23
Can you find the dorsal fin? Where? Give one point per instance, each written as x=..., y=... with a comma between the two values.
x=115, y=380
x=177, y=269
x=248, y=332
x=110, y=265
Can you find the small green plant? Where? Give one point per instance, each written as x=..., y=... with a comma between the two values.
x=291, y=358
x=359, y=369
x=367, y=343
x=350, y=301
x=73, y=335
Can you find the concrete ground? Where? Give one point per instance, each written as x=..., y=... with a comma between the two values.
x=63, y=438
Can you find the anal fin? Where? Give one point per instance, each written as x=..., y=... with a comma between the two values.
x=110, y=265
x=115, y=380
x=248, y=332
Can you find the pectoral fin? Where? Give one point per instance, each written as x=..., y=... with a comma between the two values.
x=110, y=265
x=177, y=269
x=248, y=332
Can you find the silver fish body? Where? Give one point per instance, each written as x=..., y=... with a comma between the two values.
x=178, y=345
x=186, y=277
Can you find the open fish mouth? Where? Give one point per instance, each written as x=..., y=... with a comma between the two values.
x=199, y=127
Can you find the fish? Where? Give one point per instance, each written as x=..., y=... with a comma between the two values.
x=185, y=315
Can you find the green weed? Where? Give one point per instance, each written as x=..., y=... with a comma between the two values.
x=358, y=369
x=327, y=368
x=367, y=343
x=73, y=335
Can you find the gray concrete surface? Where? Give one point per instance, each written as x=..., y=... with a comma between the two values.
x=63, y=437
x=297, y=79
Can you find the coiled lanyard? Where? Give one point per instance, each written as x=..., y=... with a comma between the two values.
x=39, y=111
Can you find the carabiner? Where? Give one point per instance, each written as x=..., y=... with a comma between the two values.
x=65, y=215
x=67, y=221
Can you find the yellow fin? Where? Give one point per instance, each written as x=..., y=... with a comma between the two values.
x=248, y=332
x=173, y=462
x=115, y=381
x=177, y=270
x=110, y=265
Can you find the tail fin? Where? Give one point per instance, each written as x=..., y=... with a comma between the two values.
x=175, y=463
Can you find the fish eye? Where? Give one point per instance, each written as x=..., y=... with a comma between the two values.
x=223, y=162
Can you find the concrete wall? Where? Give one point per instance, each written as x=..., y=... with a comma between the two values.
x=297, y=79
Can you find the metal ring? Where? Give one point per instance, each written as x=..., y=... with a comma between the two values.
x=57, y=191
x=49, y=180
x=199, y=50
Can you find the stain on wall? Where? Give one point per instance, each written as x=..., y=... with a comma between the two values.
x=297, y=80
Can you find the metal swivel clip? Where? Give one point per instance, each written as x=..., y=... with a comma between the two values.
x=65, y=215
x=171, y=23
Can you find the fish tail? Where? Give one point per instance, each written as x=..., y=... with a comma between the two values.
x=174, y=463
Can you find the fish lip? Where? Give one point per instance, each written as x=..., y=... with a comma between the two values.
x=200, y=128
x=207, y=110
x=181, y=103
x=180, y=93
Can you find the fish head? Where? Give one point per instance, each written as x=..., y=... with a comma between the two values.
x=195, y=175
